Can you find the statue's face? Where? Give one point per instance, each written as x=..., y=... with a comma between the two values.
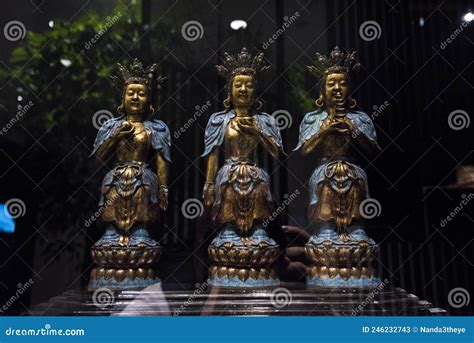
x=136, y=99
x=243, y=90
x=336, y=89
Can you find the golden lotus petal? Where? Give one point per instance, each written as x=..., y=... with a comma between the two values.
x=222, y=255
x=109, y=273
x=254, y=258
x=271, y=256
x=323, y=261
x=151, y=273
x=344, y=255
x=100, y=273
x=244, y=256
x=221, y=271
x=103, y=259
x=231, y=272
x=120, y=275
x=232, y=255
x=264, y=273
x=345, y=273
x=212, y=254
x=93, y=273
x=365, y=271
x=257, y=256
x=332, y=272
x=141, y=273
x=213, y=271
x=121, y=255
x=263, y=258
x=323, y=271
x=131, y=274
x=332, y=256
x=355, y=272
x=254, y=273
x=243, y=274
x=311, y=253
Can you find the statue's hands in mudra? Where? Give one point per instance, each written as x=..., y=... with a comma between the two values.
x=343, y=126
x=208, y=194
x=163, y=197
x=125, y=130
x=247, y=125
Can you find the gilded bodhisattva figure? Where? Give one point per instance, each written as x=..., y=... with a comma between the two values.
x=238, y=192
x=341, y=252
x=132, y=195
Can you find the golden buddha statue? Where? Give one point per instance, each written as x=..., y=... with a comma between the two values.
x=132, y=195
x=341, y=252
x=238, y=193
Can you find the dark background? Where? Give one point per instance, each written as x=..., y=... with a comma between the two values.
x=44, y=155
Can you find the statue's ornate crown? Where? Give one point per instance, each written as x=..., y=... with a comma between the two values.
x=337, y=61
x=137, y=74
x=243, y=62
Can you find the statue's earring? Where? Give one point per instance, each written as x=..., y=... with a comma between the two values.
x=352, y=103
x=151, y=109
x=319, y=101
x=226, y=102
x=259, y=105
x=120, y=109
